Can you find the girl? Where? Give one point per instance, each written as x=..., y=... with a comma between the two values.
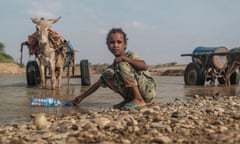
x=127, y=75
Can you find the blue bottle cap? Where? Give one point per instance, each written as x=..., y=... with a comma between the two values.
x=68, y=103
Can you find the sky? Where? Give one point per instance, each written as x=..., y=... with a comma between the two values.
x=159, y=31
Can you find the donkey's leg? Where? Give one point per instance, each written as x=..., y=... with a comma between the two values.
x=60, y=77
x=68, y=75
x=42, y=73
x=53, y=76
x=230, y=70
x=227, y=78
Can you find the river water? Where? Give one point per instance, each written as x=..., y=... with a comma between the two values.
x=15, y=95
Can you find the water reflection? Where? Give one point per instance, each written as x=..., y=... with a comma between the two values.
x=190, y=91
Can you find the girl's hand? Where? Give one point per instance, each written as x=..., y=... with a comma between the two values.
x=76, y=100
x=120, y=59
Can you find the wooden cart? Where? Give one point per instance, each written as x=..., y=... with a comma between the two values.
x=33, y=72
x=209, y=64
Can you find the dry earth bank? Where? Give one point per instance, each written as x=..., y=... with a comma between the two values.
x=176, y=70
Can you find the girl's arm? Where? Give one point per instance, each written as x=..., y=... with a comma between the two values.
x=137, y=64
x=92, y=89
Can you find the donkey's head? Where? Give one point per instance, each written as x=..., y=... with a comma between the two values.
x=42, y=29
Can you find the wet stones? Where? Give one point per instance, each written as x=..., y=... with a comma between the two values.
x=40, y=120
x=201, y=120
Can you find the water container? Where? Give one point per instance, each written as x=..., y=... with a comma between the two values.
x=218, y=61
x=198, y=50
x=48, y=102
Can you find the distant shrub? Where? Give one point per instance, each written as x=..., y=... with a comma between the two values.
x=3, y=56
x=166, y=64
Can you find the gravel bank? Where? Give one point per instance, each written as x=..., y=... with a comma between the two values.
x=209, y=119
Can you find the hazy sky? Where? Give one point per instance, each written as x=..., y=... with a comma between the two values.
x=158, y=30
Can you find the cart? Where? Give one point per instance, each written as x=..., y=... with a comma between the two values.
x=209, y=64
x=33, y=73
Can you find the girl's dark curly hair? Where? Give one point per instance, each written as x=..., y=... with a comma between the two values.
x=116, y=30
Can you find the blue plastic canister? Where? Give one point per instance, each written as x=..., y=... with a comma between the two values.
x=218, y=61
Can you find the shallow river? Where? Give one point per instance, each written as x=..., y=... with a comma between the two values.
x=15, y=95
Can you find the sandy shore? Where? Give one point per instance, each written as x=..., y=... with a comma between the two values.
x=203, y=120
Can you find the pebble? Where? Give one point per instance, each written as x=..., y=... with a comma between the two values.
x=40, y=120
x=208, y=119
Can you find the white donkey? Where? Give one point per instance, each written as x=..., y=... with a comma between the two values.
x=46, y=54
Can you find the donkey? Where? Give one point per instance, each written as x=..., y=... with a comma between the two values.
x=233, y=64
x=46, y=54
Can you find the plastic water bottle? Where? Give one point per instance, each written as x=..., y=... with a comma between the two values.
x=48, y=102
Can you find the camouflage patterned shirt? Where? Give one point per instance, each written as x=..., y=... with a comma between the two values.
x=123, y=76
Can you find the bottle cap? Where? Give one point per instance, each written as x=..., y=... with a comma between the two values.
x=68, y=103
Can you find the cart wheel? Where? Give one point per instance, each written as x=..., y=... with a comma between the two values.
x=85, y=73
x=233, y=79
x=194, y=75
x=221, y=80
x=33, y=73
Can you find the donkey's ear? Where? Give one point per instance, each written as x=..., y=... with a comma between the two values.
x=52, y=21
x=35, y=20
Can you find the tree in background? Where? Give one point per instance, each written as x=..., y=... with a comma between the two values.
x=3, y=56
x=1, y=47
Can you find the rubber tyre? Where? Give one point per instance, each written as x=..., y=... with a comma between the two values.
x=85, y=76
x=233, y=79
x=221, y=80
x=194, y=75
x=33, y=74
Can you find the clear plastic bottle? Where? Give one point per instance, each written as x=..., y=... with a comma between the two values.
x=48, y=102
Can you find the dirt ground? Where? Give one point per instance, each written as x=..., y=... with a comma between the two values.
x=11, y=68
x=176, y=70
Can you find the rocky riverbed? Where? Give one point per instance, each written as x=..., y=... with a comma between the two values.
x=208, y=119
